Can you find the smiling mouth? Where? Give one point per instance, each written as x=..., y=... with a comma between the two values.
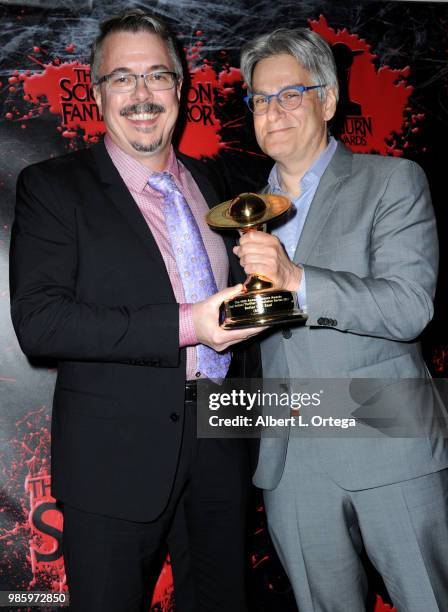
x=277, y=130
x=142, y=112
x=142, y=116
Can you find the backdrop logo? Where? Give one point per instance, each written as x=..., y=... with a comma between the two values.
x=203, y=133
x=65, y=90
x=200, y=99
x=77, y=101
x=46, y=528
x=32, y=525
x=373, y=112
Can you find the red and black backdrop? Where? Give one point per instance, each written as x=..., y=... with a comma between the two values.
x=392, y=59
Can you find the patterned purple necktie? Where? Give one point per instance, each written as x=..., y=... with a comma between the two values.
x=192, y=262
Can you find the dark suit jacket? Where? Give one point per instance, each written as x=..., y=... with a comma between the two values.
x=89, y=287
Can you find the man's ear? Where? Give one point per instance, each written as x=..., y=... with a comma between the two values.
x=329, y=104
x=179, y=88
x=96, y=90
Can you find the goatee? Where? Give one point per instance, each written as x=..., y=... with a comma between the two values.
x=147, y=148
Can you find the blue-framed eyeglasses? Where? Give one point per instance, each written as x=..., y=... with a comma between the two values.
x=289, y=98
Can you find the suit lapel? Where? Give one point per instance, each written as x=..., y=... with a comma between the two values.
x=211, y=197
x=118, y=193
x=204, y=184
x=324, y=201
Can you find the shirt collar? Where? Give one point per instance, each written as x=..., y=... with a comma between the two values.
x=134, y=174
x=313, y=174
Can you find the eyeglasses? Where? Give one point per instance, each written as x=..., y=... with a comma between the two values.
x=126, y=81
x=289, y=98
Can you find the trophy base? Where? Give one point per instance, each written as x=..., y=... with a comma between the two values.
x=260, y=309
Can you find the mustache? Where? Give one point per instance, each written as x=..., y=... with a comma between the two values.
x=144, y=107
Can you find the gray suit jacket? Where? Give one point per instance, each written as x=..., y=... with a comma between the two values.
x=370, y=253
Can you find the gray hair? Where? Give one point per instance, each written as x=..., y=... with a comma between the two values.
x=134, y=20
x=311, y=51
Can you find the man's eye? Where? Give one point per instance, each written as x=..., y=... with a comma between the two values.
x=121, y=79
x=260, y=101
x=290, y=95
x=159, y=76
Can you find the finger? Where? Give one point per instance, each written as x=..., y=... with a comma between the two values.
x=261, y=269
x=226, y=294
x=241, y=334
x=257, y=237
x=236, y=336
x=261, y=250
x=267, y=258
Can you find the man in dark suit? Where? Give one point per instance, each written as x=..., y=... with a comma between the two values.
x=115, y=274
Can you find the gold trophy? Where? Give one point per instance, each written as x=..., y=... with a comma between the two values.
x=258, y=304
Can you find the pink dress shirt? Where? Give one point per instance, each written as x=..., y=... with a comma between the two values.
x=135, y=176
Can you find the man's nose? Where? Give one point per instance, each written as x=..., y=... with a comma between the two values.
x=274, y=108
x=141, y=91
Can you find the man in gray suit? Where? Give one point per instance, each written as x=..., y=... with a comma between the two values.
x=361, y=250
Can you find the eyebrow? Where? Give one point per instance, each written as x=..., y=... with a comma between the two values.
x=263, y=93
x=153, y=68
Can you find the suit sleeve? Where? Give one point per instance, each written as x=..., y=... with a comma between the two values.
x=48, y=318
x=395, y=300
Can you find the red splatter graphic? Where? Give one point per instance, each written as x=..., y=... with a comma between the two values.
x=380, y=606
x=66, y=91
x=202, y=133
x=25, y=488
x=45, y=521
x=162, y=600
x=31, y=527
x=378, y=117
x=375, y=99
x=440, y=360
x=209, y=91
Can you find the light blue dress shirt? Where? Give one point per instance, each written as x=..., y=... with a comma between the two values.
x=289, y=231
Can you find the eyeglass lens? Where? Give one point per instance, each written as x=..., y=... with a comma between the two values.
x=289, y=99
x=155, y=81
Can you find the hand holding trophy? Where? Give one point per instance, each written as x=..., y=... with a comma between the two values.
x=258, y=304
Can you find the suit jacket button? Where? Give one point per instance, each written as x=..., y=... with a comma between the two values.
x=333, y=322
x=287, y=333
x=174, y=416
x=321, y=321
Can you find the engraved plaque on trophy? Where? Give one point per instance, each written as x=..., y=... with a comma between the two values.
x=258, y=304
